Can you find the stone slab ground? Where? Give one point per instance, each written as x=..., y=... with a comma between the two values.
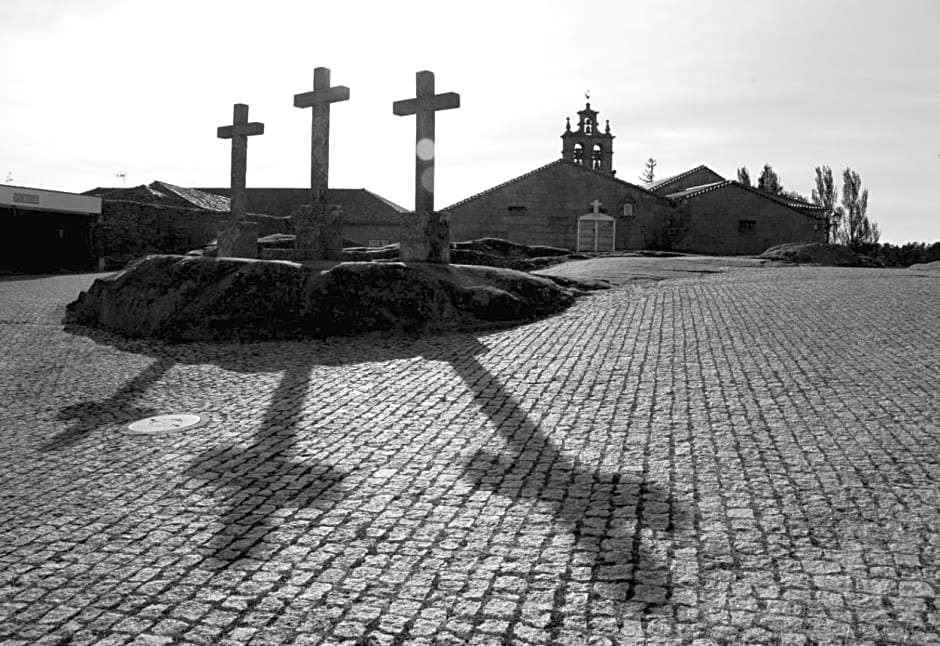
x=751, y=456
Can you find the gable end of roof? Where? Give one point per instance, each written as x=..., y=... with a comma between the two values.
x=666, y=181
x=557, y=162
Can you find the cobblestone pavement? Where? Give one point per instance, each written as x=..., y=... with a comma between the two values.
x=750, y=457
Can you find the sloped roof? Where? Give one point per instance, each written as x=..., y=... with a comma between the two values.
x=164, y=193
x=359, y=205
x=540, y=169
x=666, y=181
x=197, y=198
x=797, y=205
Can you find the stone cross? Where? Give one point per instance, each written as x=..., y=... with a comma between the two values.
x=320, y=99
x=597, y=204
x=424, y=105
x=239, y=132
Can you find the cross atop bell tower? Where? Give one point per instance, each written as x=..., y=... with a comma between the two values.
x=588, y=145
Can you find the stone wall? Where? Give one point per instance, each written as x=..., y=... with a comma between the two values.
x=543, y=209
x=380, y=233
x=132, y=229
x=716, y=226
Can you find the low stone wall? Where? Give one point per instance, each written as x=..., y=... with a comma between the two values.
x=127, y=230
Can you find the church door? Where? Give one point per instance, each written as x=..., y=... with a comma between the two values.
x=596, y=233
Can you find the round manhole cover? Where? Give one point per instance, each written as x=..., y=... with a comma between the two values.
x=166, y=423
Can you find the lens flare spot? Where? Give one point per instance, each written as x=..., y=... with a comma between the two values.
x=427, y=179
x=425, y=149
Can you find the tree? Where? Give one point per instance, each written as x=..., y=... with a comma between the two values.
x=855, y=229
x=768, y=181
x=825, y=195
x=649, y=173
x=793, y=195
x=743, y=176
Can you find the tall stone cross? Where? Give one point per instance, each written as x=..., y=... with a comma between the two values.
x=424, y=105
x=320, y=99
x=597, y=204
x=239, y=132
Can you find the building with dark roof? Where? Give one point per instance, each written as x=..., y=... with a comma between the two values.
x=577, y=202
x=369, y=219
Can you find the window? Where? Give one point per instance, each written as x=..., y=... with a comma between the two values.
x=588, y=126
x=628, y=210
x=517, y=209
x=596, y=157
x=746, y=227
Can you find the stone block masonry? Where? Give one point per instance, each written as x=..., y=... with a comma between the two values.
x=425, y=237
x=319, y=231
x=132, y=229
x=238, y=239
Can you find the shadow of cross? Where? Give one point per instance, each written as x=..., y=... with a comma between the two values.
x=119, y=407
x=256, y=482
x=611, y=516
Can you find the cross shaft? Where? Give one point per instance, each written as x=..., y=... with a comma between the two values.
x=423, y=106
x=239, y=132
x=320, y=99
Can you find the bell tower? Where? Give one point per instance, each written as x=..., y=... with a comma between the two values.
x=587, y=145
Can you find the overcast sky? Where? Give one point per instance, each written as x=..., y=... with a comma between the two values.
x=91, y=88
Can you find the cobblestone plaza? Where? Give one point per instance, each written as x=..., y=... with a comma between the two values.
x=747, y=457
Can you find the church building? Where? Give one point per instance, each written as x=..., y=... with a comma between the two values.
x=577, y=202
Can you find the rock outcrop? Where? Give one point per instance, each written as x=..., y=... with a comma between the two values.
x=189, y=298
x=819, y=253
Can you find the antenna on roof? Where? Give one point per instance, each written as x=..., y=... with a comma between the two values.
x=123, y=175
x=9, y=178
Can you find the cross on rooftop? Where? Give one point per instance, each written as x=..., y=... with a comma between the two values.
x=423, y=106
x=239, y=132
x=597, y=205
x=320, y=99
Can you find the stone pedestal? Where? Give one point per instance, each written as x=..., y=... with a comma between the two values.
x=238, y=239
x=319, y=231
x=425, y=237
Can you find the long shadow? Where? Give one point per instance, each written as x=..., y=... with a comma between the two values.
x=87, y=416
x=593, y=505
x=258, y=481
x=253, y=483
x=604, y=512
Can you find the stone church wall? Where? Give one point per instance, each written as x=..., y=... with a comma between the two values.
x=543, y=209
x=127, y=230
x=733, y=220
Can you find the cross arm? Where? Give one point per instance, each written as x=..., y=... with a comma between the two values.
x=445, y=101
x=243, y=129
x=326, y=95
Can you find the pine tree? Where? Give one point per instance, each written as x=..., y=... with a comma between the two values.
x=769, y=181
x=744, y=176
x=649, y=173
